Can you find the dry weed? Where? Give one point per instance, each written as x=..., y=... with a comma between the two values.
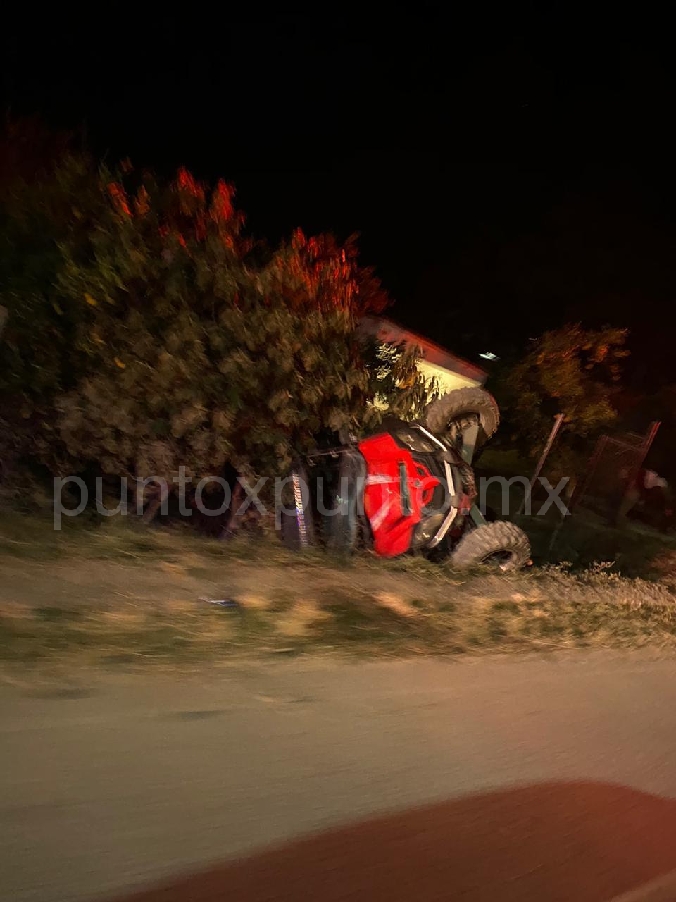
x=395, y=603
x=253, y=602
x=300, y=619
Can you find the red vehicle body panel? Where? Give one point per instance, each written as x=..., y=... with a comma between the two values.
x=397, y=490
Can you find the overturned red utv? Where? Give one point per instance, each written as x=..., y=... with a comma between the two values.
x=409, y=488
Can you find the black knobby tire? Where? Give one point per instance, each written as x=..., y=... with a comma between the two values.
x=297, y=528
x=501, y=544
x=342, y=525
x=460, y=404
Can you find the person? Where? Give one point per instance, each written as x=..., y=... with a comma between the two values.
x=650, y=494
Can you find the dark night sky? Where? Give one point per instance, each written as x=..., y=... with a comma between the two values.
x=506, y=173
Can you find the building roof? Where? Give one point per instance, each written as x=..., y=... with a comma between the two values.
x=389, y=331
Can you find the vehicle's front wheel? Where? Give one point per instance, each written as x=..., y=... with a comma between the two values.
x=500, y=544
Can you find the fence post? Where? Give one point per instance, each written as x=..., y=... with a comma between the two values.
x=645, y=448
x=558, y=421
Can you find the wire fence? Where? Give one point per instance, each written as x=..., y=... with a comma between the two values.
x=614, y=464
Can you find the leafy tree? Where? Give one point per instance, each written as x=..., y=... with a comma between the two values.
x=147, y=332
x=395, y=383
x=34, y=220
x=572, y=371
x=196, y=356
x=47, y=195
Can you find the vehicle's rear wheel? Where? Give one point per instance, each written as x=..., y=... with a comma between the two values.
x=460, y=405
x=500, y=544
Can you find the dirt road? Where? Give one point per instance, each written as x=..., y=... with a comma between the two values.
x=132, y=779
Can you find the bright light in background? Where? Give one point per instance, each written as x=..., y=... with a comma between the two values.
x=489, y=355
